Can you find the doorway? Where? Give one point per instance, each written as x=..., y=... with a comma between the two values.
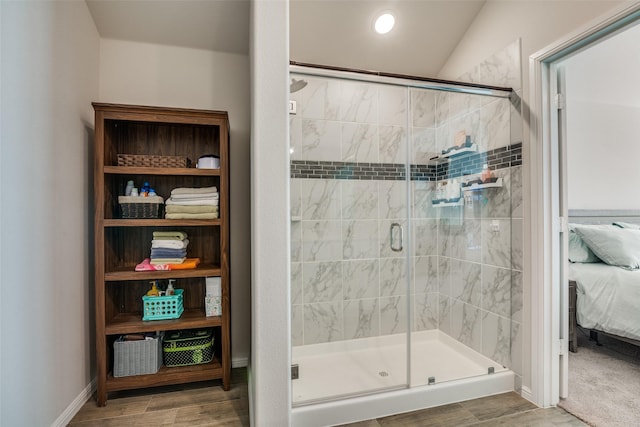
x=550, y=233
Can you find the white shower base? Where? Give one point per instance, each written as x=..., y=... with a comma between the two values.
x=341, y=370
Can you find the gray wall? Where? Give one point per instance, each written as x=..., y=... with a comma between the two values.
x=603, y=122
x=49, y=76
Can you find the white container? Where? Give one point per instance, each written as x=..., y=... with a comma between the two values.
x=213, y=297
x=208, y=162
x=213, y=286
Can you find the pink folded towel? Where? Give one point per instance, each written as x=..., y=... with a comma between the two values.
x=147, y=266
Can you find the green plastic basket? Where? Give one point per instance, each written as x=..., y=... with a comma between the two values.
x=188, y=347
x=164, y=307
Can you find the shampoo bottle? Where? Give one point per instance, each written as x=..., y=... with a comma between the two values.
x=153, y=292
x=129, y=187
x=486, y=173
x=170, y=289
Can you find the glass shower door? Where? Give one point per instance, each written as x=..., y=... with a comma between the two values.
x=461, y=253
x=349, y=231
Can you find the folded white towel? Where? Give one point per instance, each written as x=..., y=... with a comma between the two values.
x=189, y=202
x=195, y=196
x=169, y=244
x=199, y=190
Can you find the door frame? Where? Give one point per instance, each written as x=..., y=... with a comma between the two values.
x=545, y=214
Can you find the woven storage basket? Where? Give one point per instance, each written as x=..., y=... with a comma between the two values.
x=140, y=207
x=188, y=347
x=152, y=161
x=137, y=357
x=163, y=307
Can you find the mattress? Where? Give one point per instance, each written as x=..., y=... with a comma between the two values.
x=608, y=298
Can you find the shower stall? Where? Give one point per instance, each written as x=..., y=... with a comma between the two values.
x=401, y=260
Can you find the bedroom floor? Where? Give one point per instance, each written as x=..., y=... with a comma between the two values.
x=604, y=382
x=205, y=405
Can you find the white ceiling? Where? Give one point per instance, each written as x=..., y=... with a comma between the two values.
x=329, y=32
x=218, y=25
x=332, y=32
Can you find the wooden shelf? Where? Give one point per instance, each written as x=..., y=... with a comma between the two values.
x=167, y=376
x=132, y=170
x=203, y=270
x=131, y=323
x=120, y=244
x=159, y=222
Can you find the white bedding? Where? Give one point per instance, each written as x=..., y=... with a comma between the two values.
x=608, y=298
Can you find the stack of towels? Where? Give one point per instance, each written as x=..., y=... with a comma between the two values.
x=192, y=203
x=169, y=247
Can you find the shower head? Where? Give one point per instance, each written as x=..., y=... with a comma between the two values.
x=296, y=85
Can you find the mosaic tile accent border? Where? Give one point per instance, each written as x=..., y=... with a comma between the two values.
x=347, y=170
x=498, y=158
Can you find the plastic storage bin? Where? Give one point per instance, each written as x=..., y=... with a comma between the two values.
x=137, y=357
x=164, y=307
x=188, y=347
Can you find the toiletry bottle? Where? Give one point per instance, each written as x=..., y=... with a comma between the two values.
x=170, y=289
x=455, y=191
x=450, y=191
x=127, y=191
x=153, y=292
x=486, y=173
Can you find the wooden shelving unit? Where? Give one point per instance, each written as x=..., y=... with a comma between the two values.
x=120, y=244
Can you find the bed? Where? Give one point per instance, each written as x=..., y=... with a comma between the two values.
x=604, y=274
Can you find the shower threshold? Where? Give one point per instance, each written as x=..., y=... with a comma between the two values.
x=330, y=371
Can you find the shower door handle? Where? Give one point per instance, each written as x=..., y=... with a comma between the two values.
x=396, y=226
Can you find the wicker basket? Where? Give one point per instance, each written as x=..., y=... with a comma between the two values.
x=153, y=161
x=137, y=357
x=140, y=207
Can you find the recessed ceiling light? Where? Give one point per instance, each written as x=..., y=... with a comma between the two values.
x=385, y=23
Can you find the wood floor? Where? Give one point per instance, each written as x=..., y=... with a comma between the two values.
x=204, y=404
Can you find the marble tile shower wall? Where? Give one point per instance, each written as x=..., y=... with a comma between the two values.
x=504, y=69
x=346, y=282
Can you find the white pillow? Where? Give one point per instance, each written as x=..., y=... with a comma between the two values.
x=613, y=245
x=578, y=249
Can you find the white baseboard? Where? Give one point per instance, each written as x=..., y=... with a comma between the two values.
x=73, y=408
x=526, y=393
x=240, y=362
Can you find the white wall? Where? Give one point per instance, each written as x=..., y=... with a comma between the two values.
x=160, y=75
x=49, y=76
x=537, y=24
x=603, y=124
x=270, y=368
